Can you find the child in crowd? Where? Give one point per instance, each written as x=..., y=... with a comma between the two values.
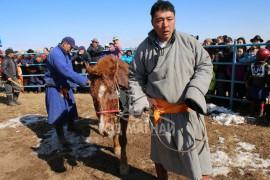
x=257, y=81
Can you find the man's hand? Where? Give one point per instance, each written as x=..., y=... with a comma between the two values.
x=194, y=106
x=10, y=79
x=88, y=82
x=146, y=115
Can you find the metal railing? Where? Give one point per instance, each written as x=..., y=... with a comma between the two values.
x=232, y=80
x=233, y=64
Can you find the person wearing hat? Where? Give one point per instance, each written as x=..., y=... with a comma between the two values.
x=37, y=69
x=59, y=79
x=250, y=56
x=257, y=81
x=256, y=39
x=207, y=42
x=106, y=51
x=95, y=50
x=10, y=75
x=116, y=48
x=79, y=59
x=78, y=62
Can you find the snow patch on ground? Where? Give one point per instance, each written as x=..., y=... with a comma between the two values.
x=224, y=116
x=23, y=120
x=80, y=146
x=222, y=163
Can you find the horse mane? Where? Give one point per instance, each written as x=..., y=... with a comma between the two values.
x=110, y=67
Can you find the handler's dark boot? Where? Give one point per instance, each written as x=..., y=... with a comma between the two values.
x=71, y=126
x=162, y=173
x=10, y=101
x=60, y=134
x=15, y=98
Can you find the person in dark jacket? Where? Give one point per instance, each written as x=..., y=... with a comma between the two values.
x=79, y=59
x=10, y=75
x=60, y=79
x=78, y=62
x=95, y=50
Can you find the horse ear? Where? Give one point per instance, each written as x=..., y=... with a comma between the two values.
x=123, y=74
x=91, y=71
x=88, y=67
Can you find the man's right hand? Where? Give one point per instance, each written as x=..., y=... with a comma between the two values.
x=10, y=79
x=146, y=115
x=88, y=82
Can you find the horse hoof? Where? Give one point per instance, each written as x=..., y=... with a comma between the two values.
x=124, y=169
x=117, y=151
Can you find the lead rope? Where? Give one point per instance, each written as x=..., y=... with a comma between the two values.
x=187, y=151
x=117, y=120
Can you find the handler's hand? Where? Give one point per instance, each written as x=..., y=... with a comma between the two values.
x=9, y=79
x=88, y=82
x=194, y=106
x=146, y=116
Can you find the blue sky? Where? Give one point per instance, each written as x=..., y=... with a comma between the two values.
x=37, y=24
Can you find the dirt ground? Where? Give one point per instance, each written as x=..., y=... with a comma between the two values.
x=19, y=158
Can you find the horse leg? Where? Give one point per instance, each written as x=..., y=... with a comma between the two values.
x=117, y=147
x=124, y=167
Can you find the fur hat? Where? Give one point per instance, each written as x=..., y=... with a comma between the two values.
x=257, y=37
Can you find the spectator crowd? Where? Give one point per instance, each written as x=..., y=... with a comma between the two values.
x=250, y=72
x=31, y=63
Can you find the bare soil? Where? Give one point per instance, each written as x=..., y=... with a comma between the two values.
x=19, y=160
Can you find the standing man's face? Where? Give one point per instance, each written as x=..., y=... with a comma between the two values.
x=11, y=55
x=67, y=47
x=163, y=23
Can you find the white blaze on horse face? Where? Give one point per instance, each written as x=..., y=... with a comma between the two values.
x=101, y=124
x=101, y=91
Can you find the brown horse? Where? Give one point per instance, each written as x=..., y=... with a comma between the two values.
x=109, y=81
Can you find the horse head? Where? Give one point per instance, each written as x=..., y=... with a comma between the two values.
x=106, y=76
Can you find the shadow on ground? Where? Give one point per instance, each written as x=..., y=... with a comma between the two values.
x=81, y=149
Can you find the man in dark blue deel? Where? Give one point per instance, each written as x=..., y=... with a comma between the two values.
x=59, y=79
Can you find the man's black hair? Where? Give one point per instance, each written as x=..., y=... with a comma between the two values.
x=162, y=6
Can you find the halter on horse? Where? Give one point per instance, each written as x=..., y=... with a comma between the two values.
x=109, y=77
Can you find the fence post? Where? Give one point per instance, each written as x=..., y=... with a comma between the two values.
x=233, y=74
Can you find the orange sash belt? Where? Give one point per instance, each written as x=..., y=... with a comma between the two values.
x=163, y=107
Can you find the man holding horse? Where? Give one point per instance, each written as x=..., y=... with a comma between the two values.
x=60, y=79
x=169, y=77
